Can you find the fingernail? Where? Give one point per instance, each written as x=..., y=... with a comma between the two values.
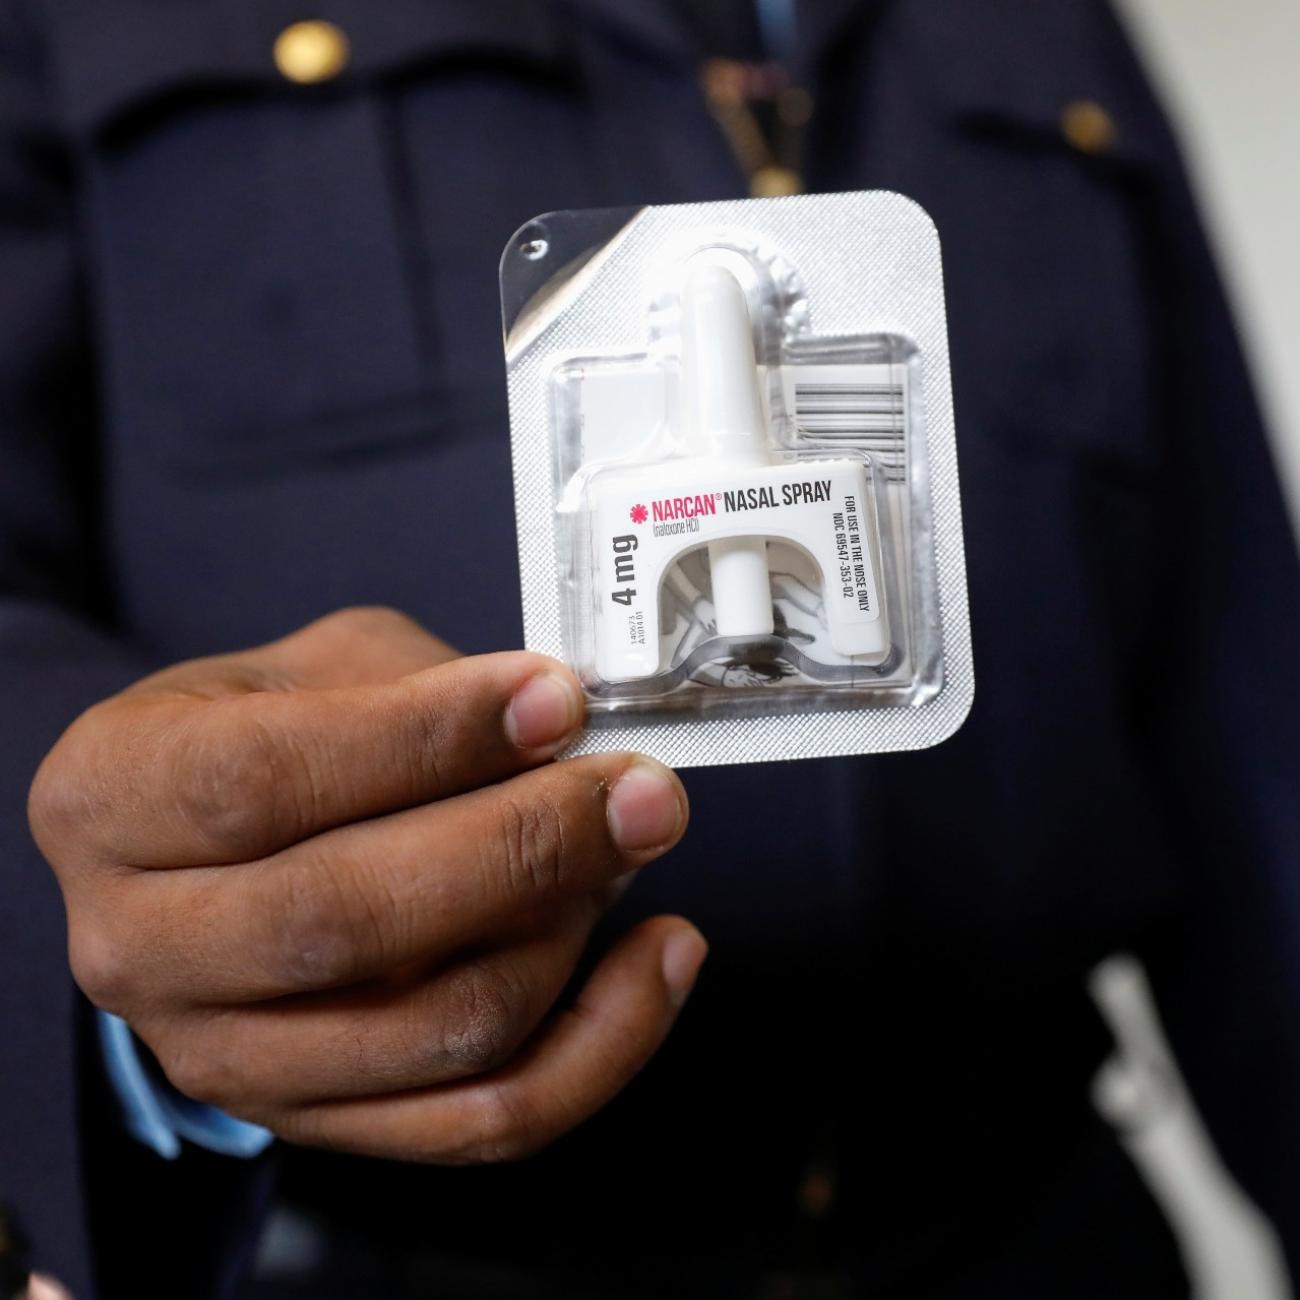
x=544, y=710
x=684, y=954
x=645, y=807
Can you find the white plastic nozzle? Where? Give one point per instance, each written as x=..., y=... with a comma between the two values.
x=721, y=410
x=722, y=415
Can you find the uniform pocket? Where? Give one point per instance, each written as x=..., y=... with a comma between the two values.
x=1050, y=150
x=1056, y=306
x=250, y=244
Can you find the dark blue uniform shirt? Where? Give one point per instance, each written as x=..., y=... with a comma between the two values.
x=250, y=371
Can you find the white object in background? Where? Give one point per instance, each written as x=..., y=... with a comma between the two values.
x=1228, y=73
x=1229, y=1248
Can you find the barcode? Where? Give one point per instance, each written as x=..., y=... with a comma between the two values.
x=871, y=415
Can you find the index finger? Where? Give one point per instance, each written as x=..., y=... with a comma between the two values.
x=173, y=781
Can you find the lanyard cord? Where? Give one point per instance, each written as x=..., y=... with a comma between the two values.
x=761, y=112
x=778, y=26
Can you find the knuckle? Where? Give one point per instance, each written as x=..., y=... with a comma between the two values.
x=56, y=804
x=236, y=779
x=486, y=1009
x=370, y=621
x=429, y=741
x=531, y=845
x=105, y=968
x=65, y=797
x=209, y=1063
x=316, y=928
x=504, y=1129
x=201, y=1073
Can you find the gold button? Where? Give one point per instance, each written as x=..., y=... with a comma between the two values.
x=1087, y=126
x=311, y=52
x=772, y=182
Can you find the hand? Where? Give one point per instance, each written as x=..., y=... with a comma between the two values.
x=337, y=888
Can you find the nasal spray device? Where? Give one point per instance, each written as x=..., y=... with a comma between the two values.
x=735, y=475
x=737, y=492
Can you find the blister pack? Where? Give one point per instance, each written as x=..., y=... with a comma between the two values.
x=736, y=475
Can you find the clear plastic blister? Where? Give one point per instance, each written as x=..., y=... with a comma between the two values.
x=735, y=475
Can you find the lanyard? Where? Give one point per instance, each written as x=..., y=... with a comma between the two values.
x=760, y=110
x=778, y=25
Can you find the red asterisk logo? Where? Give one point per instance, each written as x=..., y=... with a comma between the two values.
x=639, y=514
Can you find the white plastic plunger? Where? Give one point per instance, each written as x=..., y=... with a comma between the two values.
x=723, y=421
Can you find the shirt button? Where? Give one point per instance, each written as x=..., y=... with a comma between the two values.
x=1087, y=126
x=311, y=52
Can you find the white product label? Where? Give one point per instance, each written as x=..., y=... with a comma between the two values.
x=644, y=523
